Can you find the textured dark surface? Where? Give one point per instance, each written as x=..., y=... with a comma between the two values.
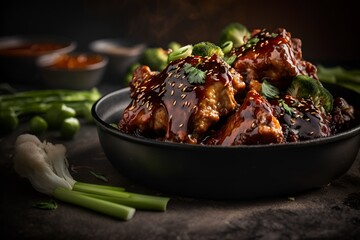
x=332, y=212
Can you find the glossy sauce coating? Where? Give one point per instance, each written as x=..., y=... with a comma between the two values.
x=300, y=119
x=252, y=123
x=172, y=91
x=275, y=57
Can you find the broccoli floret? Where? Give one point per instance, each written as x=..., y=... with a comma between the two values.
x=207, y=49
x=155, y=58
x=307, y=87
x=235, y=32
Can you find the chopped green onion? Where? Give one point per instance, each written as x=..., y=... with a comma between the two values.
x=227, y=46
x=38, y=125
x=180, y=53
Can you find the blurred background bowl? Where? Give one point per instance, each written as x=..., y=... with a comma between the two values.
x=121, y=54
x=72, y=70
x=18, y=55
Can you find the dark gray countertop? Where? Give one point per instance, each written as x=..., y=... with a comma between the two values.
x=332, y=212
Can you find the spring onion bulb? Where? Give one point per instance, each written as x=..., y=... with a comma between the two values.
x=45, y=165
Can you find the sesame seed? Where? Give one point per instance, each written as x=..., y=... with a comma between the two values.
x=181, y=125
x=162, y=93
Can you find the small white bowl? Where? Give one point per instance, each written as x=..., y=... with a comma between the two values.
x=18, y=55
x=121, y=53
x=68, y=76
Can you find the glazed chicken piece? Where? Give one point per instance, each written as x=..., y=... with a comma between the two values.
x=169, y=106
x=275, y=57
x=300, y=119
x=343, y=116
x=252, y=123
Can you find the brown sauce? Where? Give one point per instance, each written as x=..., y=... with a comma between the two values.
x=81, y=61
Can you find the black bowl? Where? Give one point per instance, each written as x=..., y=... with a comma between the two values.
x=228, y=173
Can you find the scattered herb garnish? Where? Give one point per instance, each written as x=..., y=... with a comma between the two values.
x=251, y=43
x=195, y=75
x=99, y=176
x=51, y=205
x=268, y=90
x=289, y=110
x=114, y=125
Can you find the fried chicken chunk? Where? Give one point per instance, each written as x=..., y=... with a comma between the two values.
x=275, y=57
x=300, y=118
x=173, y=106
x=252, y=123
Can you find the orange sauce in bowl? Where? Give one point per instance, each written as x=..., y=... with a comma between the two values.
x=31, y=49
x=75, y=61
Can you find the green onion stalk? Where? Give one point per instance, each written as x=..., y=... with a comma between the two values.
x=39, y=102
x=340, y=76
x=46, y=167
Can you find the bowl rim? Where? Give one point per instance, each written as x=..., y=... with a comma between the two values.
x=15, y=40
x=44, y=61
x=157, y=143
x=124, y=47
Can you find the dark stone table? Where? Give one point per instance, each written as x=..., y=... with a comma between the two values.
x=332, y=212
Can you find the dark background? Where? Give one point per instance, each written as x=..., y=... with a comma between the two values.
x=328, y=29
